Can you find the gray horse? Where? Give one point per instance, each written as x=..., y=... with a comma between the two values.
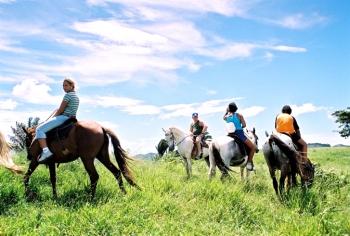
x=224, y=152
x=281, y=154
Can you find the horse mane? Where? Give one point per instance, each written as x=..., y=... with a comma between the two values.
x=176, y=131
x=6, y=158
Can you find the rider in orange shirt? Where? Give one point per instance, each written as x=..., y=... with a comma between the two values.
x=287, y=124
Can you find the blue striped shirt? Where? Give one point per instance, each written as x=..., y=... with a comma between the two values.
x=72, y=104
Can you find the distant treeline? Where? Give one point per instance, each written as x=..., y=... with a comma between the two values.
x=313, y=145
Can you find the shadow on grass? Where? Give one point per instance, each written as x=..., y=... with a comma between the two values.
x=8, y=199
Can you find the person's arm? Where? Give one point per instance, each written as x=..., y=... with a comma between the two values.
x=276, y=122
x=191, y=129
x=205, y=128
x=296, y=126
x=60, y=110
x=242, y=120
x=225, y=116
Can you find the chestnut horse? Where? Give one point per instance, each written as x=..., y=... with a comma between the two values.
x=87, y=140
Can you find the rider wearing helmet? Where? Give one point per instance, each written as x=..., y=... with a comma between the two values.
x=238, y=121
x=198, y=129
x=287, y=124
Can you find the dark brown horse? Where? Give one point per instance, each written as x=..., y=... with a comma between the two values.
x=280, y=154
x=87, y=140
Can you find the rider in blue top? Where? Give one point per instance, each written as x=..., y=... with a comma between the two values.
x=237, y=119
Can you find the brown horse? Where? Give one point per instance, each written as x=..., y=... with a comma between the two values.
x=87, y=140
x=280, y=154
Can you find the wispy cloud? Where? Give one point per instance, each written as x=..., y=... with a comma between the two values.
x=7, y=1
x=138, y=107
x=306, y=108
x=8, y=104
x=300, y=21
x=222, y=7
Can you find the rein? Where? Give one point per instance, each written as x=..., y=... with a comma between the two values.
x=178, y=143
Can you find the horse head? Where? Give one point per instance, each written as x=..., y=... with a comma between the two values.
x=253, y=137
x=306, y=171
x=169, y=138
x=32, y=145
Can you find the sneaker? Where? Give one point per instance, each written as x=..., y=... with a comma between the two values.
x=45, y=156
x=250, y=166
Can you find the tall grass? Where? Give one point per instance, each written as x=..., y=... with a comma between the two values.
x=170, y=204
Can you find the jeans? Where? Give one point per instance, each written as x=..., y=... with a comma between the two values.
x=49, y=125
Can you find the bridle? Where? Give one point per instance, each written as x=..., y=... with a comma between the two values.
x=172, y=138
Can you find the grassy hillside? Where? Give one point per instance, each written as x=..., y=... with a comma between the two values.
x=171, y=205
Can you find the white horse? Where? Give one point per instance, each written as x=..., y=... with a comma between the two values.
x=6, y=158
x=224, y=152
x=184, y=143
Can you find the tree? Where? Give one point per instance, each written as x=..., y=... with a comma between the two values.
x=18, y=139
x=343, y=119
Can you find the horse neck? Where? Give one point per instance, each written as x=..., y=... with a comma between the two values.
x=178, y=134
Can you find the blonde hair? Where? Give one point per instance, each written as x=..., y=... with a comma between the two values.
x=70, y=82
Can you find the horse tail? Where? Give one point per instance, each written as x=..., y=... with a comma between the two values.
x=219, y=162
x=6, y=159
x=121, y=157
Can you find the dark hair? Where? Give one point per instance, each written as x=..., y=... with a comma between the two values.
x=195, y=114
x=232, y=107
x=287, y=109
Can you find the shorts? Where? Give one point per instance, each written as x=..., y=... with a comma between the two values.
x=240, y=134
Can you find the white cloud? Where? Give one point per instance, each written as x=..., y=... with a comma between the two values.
x=139, y=107
x=229, y=51
x=305, y=108
x=252, y=111
x=8, y=104
x=300, y=21
x=32, y=91
x=284, y=48
x=223, y=7
x=8, y=118
x=7, y=1
x=8, y=46
x=269, y=56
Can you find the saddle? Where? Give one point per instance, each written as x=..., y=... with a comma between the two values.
x=203, y=144
x=61, y=132
x=242, y=147
x=287, y=147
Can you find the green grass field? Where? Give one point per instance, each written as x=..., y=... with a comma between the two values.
x=172, y=205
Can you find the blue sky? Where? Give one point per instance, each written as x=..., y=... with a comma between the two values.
x=142, y=65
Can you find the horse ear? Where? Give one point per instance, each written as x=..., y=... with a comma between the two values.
x=253, y=130
x=266, y=133
x=164, y=130
x=25, y=130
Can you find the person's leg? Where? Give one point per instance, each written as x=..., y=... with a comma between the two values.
x=252, y=149
x=304, y=147
x=199, y=147
x=41, y=135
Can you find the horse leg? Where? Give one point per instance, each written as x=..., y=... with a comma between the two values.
x=32, y=166
x=52, y=169
x=274, y=180
x=242, y=173
x=90, y=168
x=189, y=166
x=282, y=179
x=104, y=159
x=207, y=161
x=212, y=166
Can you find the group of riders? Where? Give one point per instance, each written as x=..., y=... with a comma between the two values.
x=285, y=123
